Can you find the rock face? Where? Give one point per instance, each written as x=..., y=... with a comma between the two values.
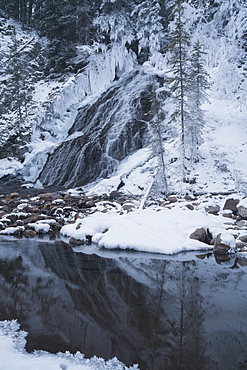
x=219, y=247
x=107, y=131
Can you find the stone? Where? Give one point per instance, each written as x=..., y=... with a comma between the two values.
x=242, y=211
x=29, y=233
x=190, y=206
x=172, y=199
x=227, y=214
x=90, y=204
x=128, y=206
x=240, y=244
x=241, y=223
x=202, y=235
x=49, y=196
x=214, y=209
x=231, y=204
x=219, y=247
x=75, y=242
x=243, y=238
x=115, y=194
x=189, y=198
x=14, y=195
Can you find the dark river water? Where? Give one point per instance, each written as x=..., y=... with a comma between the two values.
x=181, y=312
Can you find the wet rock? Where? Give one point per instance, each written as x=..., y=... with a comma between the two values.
x=202, y=235
x=219, y=247
x=231, y=204
x=29, y=233
x=75, y=242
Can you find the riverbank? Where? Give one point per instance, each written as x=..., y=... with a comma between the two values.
x=117, y=220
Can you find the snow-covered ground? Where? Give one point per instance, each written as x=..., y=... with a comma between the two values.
x=154, y=229
x=14, y=357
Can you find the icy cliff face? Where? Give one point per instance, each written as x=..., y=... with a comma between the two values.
x=104, y=133
x=55, y=116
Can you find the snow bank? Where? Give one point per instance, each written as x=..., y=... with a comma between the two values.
x=14, y=357
x=160, y=231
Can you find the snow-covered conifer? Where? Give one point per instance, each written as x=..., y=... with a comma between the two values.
x=17, y=92
x=148, y=27
x=196, y=91
x=178, y=48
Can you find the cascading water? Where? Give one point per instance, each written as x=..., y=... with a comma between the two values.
x=104, y=133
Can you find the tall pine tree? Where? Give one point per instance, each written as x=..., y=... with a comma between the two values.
x=198, y=84
x=178, y=48
x=17, y=92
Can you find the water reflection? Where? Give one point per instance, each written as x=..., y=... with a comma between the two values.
x=182, y=312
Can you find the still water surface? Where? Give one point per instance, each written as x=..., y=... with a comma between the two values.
x=180, y=312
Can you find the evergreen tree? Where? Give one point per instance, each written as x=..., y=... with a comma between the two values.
x=160, y=185
x=114, y=22
x=148, y=27
x=198, y=84
x=17, y=92
x=20, y=10
x=178, y=47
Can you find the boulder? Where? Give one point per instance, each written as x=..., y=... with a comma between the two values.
x=14, y=195
x=115, y=194
x=75, y=242
x=202, y=235
x=128, y=206
x=29, y=233
x=219, y=247
x=172, y=199
x=190, y=206
x=214, y=209
x=231, y=204
x=243, y=238
x=242, y=211
x=49, y=196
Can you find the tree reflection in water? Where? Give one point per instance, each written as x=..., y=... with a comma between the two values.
x=162, y=312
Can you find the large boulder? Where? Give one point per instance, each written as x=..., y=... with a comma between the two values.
x=242, y=211
x=213, y=209
x=231, y=204
x=202, y=235
x=220, y=248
